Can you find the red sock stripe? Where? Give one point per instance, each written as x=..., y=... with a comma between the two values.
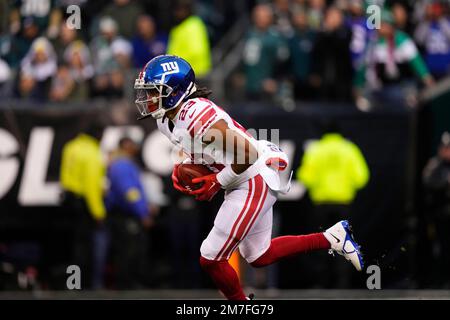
x=236, y=223
x=256, y=201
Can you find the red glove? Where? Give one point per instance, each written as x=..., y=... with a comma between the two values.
x=209, y=188
x=176, y=183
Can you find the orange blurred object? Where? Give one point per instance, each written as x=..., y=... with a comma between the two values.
x=234, y=262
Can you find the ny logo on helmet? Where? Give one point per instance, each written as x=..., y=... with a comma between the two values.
x=171, y=67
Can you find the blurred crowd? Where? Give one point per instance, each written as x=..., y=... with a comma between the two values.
x=345, y=50
x=49, y=52
x=335, y=50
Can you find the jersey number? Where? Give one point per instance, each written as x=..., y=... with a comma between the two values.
x=185, y=110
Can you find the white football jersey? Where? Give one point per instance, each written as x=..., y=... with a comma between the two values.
x=195, y=118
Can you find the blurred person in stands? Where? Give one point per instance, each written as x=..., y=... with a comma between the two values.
x=332, y=68
x=125, y=13
x=129, y=216
x=16, y=46
x=387, y=73
x=300, y=58
x=282, y=12
x=316, y=13
x=401, y=17
x=299, y=5
x=333, y=170
x=147, y=43
x=265, y=50
x=78, y=58
x=419, y=11
x=433, y=34
x=436, y=179
x=5, y=74
x=82, y=176
x=46, y=15
x=111, y=56
x=194, y=48
x=361, y=34
x=66, y=37
x=37, y=69
x=62, y=85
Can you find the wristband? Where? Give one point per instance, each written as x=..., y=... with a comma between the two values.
x=226, y=177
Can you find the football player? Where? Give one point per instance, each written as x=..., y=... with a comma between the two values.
x=248, y=169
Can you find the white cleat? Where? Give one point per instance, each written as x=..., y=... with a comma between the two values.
x=341, y=239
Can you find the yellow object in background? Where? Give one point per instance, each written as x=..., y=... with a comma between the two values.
x=83, y=172
x=234, y=262
x=333, y=169
x=189, y=40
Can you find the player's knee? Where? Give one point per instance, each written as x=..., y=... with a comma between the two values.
x=207, y=250
x=263, y=260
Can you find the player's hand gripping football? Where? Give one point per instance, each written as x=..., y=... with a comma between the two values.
x=176, y=182
x=208, y=189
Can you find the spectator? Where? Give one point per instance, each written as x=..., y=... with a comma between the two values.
x=194, y=48
x=129, y=216
x=388, y=66
x=5, y=72
x=419, y=11
x=401, y=17
x=436, y=179
x=333, y=169
x=282, y=17
x=300, y=47
x=46, y=16
x=19, y=45
x=37, y=69
x=62, y=85
x=147, y=43
x=316, y=13
x=125, y=13
x=78, y=59
x=361, y=34
x=299, y=5
x=82, y=176
x=66, y=37
x=111, y=58
x=433, y=34
x=332, y=69
x=264, y=51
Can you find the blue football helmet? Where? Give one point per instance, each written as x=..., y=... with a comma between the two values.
x=163, y=84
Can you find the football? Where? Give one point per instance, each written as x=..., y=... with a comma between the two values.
x=188, y=171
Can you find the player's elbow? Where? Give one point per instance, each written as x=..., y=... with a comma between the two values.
x=244, y=160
